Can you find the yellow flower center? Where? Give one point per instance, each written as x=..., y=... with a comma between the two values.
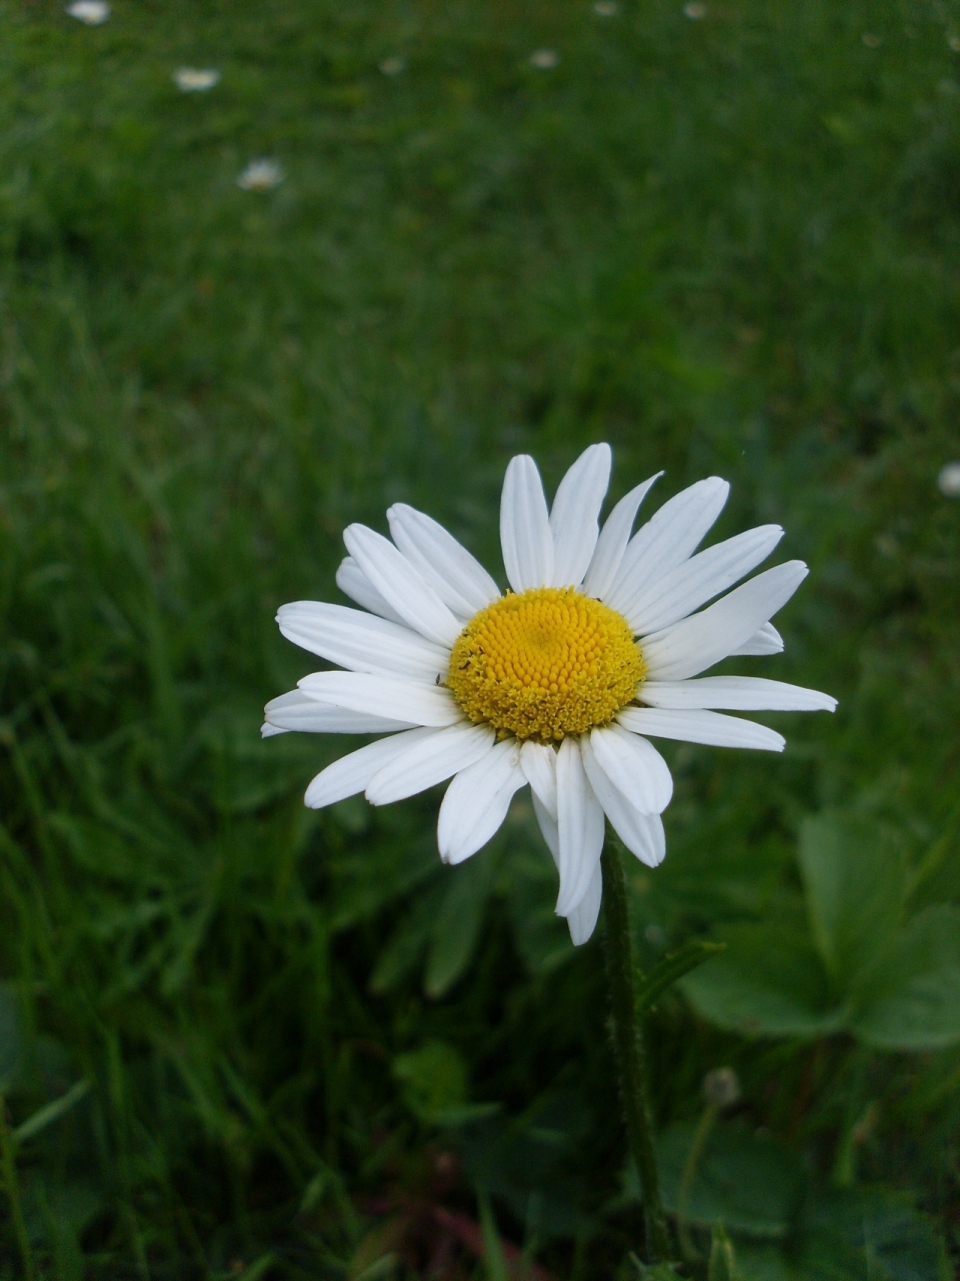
x=545, y=663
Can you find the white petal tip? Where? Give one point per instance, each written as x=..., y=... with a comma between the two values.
x=650, y=859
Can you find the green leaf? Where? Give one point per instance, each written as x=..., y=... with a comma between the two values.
x=752, y=1185
x=854, y=877
x=456, y=927
x=722, y=1266
x=493, y=1256
x=433, y=1080
x=910, y=998
x=769, y=982
x=671, y=968
x=865, y=1234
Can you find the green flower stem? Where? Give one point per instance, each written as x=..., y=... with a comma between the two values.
x=628, y=1050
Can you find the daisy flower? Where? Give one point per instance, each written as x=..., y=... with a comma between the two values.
x=559, y=683
x=261, y=175
x=90, y=12
x=195, y=79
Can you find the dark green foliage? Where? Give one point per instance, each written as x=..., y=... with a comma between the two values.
x=893, y=986
x=238, y=1039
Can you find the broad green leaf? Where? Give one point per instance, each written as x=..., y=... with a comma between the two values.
x=433, y=1079
x=763, y=1261
x=853, y=874
x=456, y=927
x=769, y=982
x=910, y=998
x=751, y=1185
x=857, y=1234
x=864, y=1234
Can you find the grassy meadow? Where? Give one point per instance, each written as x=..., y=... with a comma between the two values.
x=240, y=1039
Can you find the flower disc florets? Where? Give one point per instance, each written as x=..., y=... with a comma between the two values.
x=545, y=663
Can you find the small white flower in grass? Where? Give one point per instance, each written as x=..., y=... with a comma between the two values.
x=721, y=1087
x=544, y=59
x=695, y=10
x=606, y=8
x=948, y=482
x=558, y=684
x=90, y=12
x=195, y=79
x=260, y=175
x=392, y=66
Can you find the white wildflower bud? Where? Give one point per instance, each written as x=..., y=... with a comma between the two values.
x=721, y=1087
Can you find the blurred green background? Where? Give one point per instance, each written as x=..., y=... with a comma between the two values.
x=240, y=1039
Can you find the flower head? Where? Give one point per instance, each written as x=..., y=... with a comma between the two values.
x=195, y=79
x=560, y=682
x=544, y=59
x=948, y=481
x=260, y=175
x=90, y=12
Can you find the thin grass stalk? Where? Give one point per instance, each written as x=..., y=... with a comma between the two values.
x=11, y=1185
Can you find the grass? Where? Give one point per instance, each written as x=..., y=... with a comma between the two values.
x=726, y=245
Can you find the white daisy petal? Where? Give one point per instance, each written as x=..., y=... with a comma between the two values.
x=634, y=766
x=458, y=578
x=429, y=762
x=401, y=585
x=525, y=536
x=476, y=802
x=361, y=642
x=698, y=642
x=295, y=711
x=548, y=827
x=582, y=921
x=580, y=827
x=351, y=773
x=412, y=701
x=354, y=583
x=765, y=640
x=613, y=540
x=667, y=539
x=698, y=579
x=539, y=765
x=642, y=834
x=735, y=694
x=575, y=512
x=700, y=727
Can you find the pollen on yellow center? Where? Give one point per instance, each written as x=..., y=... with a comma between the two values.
x=545, y=663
